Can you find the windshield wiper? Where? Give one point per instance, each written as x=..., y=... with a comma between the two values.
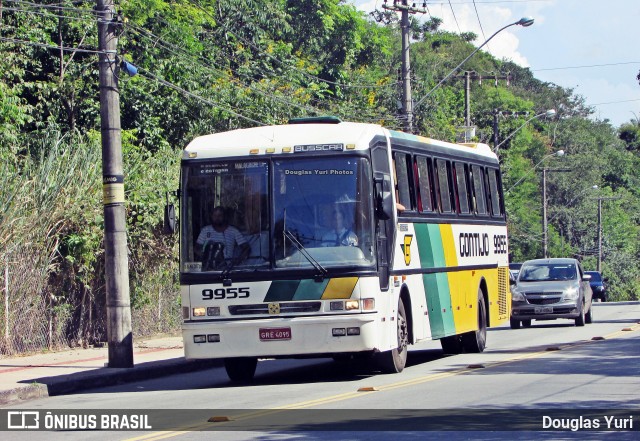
x=322, y=271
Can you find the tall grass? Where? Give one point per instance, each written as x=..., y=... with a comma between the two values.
x=51, y=231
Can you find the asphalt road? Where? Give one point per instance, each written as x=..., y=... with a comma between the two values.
x=553, y=370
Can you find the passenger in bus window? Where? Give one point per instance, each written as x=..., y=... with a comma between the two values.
x=339, y=235
x=220, y=244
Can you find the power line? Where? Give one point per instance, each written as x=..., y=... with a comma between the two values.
x=479, y=22
x=586, y=66
x=48, y=14
x=454, y=17
x=613, y=102
x=148, y=75
x=56, y=7
x=173, y=48
x=50, y=46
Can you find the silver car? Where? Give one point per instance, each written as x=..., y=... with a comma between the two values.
x=548, y=289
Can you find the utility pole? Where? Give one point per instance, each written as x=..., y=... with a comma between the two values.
x=407, y=102
x=545, y=252
x=600, y=199
x=472, y=76
x=119, y=334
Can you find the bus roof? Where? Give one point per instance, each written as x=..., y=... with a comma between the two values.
x=277, y=139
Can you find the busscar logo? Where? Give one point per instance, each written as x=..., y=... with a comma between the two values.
x=23, y=419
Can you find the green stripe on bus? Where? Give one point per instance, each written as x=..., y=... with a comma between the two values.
x=281, y=290
x=436, y=286
x=310, y=289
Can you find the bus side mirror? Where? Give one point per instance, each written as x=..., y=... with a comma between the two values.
x=169, y=225
x=384, y=201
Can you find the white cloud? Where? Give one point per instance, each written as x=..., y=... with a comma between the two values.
x=502, y=46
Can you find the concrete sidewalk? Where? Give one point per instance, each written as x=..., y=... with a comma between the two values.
x=56, y=373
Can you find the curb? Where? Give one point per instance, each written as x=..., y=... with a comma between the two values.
x=24, y=393
x=66, y=384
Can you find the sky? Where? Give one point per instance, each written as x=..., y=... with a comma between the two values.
x=567, y=45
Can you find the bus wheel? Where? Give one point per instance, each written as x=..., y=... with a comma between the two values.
x=393, y=361
x=476, y=341
x=241, y=369
x=451, y=344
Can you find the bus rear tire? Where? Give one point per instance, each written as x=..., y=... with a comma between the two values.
x=241, y=368
x=476, y=341
x=451, y=345
x=394, y=361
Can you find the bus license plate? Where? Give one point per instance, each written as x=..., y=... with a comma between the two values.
x=269, y=334
x=543, y=310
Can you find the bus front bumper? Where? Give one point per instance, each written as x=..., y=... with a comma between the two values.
x=274, y=337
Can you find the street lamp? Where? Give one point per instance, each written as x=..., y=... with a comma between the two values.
x=547, y=114
x=558, y=153
x=524, y=22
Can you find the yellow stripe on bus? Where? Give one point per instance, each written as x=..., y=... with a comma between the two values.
x=341, y=288
x=459, y=283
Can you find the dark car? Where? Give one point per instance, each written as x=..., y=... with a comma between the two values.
x=597, y=286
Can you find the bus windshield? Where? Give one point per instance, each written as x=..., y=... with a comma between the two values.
x=320, y=214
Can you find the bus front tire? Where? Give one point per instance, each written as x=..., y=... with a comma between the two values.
x=394, y=361
x=241, y=368
x=476, y=341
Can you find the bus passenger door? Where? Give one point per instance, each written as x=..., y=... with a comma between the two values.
x=384, y=211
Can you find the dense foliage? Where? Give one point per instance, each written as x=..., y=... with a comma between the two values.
x=212, y=65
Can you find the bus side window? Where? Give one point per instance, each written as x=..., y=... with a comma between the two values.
x=480, y=202
x=403, y=182
x=424, y=175
x=462, y=195
x=444, y=192
x=494, y=193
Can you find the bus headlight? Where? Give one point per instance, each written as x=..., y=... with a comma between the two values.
x=350, y=305
x=200, y=311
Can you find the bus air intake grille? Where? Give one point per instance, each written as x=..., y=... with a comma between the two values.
x=502, y=290
x=263, y=308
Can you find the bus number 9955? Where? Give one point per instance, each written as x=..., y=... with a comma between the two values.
x=500, y=244
x=225, y=293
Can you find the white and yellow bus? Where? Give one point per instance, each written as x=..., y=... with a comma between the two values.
x=353, y=240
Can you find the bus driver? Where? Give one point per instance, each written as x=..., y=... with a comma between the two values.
x=221, y=239
x=339, y=234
